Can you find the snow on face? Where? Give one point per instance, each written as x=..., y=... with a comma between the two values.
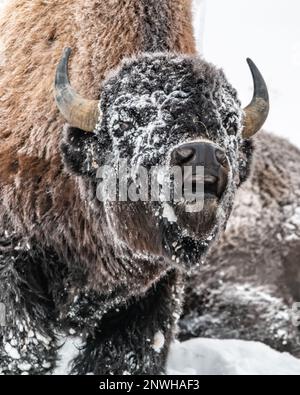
x=156, y=102
x=152, y=104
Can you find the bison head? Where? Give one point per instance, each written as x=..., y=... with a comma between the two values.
x=165, y=110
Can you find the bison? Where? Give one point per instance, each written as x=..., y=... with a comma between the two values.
x=111, y=273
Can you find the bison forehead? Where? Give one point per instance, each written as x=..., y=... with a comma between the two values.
x=173, y=78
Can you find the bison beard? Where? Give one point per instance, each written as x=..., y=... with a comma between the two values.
x=199, y=224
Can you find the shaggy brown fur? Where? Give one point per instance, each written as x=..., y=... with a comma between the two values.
x=35, y=189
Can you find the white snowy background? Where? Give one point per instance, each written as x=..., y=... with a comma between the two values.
x=268, y=31
x=227, y=32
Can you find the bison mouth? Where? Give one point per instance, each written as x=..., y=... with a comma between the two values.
x=211, y=187
x=209, y=183
x=204, y=189
x=197, y=214
x=198, y=219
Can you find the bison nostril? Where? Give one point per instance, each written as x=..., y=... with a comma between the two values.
x=183, y=155
x=221, y=158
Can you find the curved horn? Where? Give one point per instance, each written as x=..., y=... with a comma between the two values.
x=78, y=112
x=257, y=111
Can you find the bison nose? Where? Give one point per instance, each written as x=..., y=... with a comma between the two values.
x=211, y=157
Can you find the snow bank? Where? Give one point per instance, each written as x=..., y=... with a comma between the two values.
x=229, y=357
x=207, y=357
x=68, y=352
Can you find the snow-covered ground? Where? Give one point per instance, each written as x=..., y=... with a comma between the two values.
x=229, y=357
x=269, y=32
x=209, y=357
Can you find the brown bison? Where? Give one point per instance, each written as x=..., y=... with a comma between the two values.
x=109, y=272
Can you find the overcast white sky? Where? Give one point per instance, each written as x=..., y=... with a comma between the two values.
x=268, y=31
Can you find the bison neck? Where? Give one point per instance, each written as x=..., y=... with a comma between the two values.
x=166, y=26
x=110, y=30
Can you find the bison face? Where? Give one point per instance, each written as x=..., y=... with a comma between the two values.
x=163, y=112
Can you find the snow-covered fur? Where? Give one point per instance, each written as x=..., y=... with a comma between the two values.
x=251, y=278
x=110, y=273
x=152, y=104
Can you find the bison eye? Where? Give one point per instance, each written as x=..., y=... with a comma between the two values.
x=222, y=158
x=124, y=126
x=231, y=130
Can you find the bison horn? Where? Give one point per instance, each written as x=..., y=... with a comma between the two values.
x=78, y=112
x=257, y=111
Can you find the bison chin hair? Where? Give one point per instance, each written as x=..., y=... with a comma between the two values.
x=136, y=225
x=199, y=224
x=144, y=233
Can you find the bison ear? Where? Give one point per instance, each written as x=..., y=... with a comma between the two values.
x=79, y=151
x=245, y=161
